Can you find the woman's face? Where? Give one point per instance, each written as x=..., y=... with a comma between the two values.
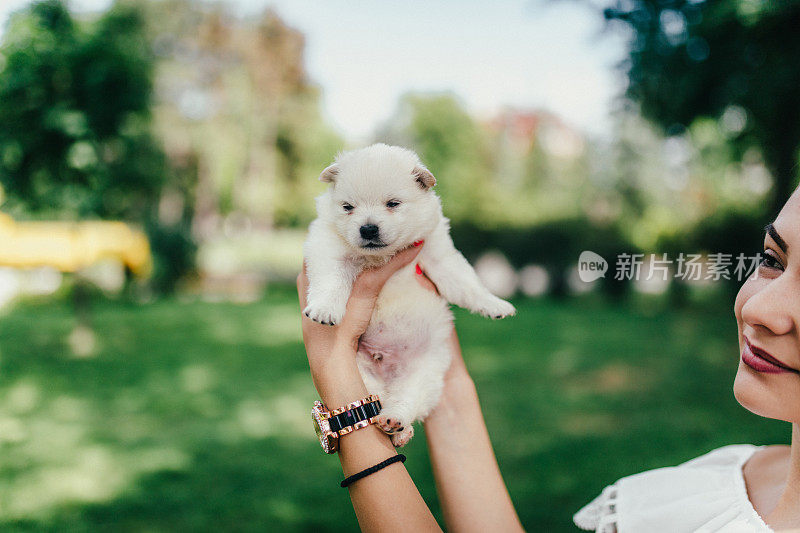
x=768, y=314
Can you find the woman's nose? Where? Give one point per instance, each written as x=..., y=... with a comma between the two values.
x=773, y=307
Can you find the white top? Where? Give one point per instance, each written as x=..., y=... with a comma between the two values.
x=704, y=495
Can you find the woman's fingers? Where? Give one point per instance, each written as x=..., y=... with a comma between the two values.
x=425, y=281
x=319, y=339
x=371, y=281
x=356, y=317
x=365, y=293
x=362, y=298
x=302, y=285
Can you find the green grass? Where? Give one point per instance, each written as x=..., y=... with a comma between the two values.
x=195, y=416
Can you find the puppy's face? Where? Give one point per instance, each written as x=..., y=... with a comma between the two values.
x=380, y=200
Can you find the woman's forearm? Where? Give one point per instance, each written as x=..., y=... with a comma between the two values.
x=387, y=500
x=471, y=489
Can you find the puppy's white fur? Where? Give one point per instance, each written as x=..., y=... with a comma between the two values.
x=404, y=353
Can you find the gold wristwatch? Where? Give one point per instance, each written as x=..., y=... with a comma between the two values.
x=330, y=425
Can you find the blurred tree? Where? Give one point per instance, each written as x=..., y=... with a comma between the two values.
x=305, y=145
x=234, y=94
x=541, y=170
x=74, y=104
x=732, y=61
x=76, y=141
x=452, y=145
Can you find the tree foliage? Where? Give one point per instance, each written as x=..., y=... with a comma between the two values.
x=74, y=104
x=731, y=60
x=452, y=145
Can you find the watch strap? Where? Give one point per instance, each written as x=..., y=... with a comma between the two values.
x=355, y=415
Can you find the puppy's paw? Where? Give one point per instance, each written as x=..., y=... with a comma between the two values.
x=397, y=428
x=495, y=308
x=391, y=424
x=330, y=315
x=401, y=439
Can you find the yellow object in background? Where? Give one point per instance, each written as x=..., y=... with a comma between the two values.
x=71, y=246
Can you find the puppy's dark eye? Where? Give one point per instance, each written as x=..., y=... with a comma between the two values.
x=347, y=207
x=392, y=203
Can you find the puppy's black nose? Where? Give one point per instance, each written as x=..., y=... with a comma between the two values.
x=369, y=231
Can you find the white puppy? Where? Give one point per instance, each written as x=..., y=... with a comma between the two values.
x=380, y=200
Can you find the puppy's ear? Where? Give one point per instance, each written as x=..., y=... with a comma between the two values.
x=329, y=174
x=423, y=176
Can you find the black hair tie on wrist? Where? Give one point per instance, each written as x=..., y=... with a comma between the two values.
x=371, y=470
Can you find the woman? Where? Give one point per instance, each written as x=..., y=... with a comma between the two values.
x=736, y=488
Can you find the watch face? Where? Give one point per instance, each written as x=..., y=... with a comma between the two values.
x=316, y=426
x=322, y=427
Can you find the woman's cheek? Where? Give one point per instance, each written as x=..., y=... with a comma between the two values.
x=749, y=288
x=743, y=386
x=767, y=399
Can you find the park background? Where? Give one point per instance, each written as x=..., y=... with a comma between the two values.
x=165, y=388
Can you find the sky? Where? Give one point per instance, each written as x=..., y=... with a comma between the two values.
x=527, y=54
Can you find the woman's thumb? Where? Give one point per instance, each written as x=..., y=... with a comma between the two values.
x=400, y=259
x=366, y=289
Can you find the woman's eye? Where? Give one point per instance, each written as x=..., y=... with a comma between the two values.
x=770, y=261
x=347, y=207
x=392, y=203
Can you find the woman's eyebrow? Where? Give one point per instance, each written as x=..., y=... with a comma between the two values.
x=770, y=229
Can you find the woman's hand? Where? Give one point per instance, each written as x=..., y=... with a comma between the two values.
x=331, y=349
x=380, y=498
x=464, y=465
x=457, y=379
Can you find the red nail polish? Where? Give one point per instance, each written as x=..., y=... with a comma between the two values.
x=419, y=242
x=419, y=270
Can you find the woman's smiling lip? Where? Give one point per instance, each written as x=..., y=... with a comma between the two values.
x=762, y=361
